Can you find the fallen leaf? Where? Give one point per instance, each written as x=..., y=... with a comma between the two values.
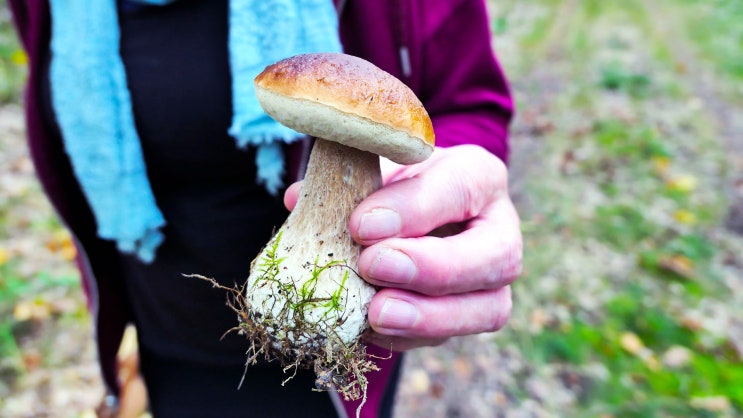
x=37, y=310
x=684, y=183
x=19, y=57
x=463, y=368
x=678, y=264
x=61, y=243
x=685, y=217
x=537, y=320
x=419, y=381
x=32, y=359
x=677, y=356
x=631, y=343
x=4, y=256
x=661, y=164
x=711, y=403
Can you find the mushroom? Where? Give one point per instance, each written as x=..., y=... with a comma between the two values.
x=305, y=301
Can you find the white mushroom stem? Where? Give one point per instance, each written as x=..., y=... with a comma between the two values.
x=315, y=294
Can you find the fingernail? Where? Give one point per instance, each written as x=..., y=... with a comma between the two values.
x=397, y=314
x=379, y=223
x=392, y=266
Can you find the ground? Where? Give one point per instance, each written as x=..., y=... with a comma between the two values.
x=627, y=170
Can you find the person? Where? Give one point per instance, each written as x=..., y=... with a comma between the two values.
x=441, y=238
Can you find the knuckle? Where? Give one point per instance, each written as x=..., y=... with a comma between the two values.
x=512, y=265
x=502, y=311
x=507, y=267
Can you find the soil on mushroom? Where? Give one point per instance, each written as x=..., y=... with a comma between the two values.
x=338, y=366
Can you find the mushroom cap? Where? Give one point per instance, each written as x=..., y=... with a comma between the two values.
x=342, y=98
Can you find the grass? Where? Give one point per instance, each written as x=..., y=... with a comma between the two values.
x=12, y=59
x=631, y=280
x=710, y=19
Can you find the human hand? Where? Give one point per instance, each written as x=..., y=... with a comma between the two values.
x=442, y=241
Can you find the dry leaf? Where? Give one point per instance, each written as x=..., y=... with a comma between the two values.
x=631, y=343
x=677, y=356
x=37, y=310
x=678, y=264
x=419, y=381
x=684, y=183
x=712, y=403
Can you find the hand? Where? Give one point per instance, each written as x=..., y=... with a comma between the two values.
x=443, y=242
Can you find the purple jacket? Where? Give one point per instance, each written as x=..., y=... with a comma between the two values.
x=440, y=48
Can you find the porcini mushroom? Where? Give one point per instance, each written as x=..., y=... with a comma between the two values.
x=305, y=301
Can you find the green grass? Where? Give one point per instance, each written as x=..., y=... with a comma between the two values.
x=12, y=59
x=625, y=244
x=715, y=27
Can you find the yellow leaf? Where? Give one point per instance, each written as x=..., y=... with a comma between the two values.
x=684, y=183
x=661, y=164
x=38, y=310
x=631, y=342
x=22, y=311
x=652, y=362
x=685, y=217
x=679, y=264
x=61, y=243
x=19, y=57
x=69, y=253
x=634, y=345
x=4, y=256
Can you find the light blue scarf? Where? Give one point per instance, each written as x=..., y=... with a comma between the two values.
x=93, y=107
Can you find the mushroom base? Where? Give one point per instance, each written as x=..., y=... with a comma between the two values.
x=305, y=345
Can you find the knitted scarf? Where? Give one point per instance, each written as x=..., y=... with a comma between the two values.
x=93, y=106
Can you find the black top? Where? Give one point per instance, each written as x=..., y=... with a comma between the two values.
x=218, y=219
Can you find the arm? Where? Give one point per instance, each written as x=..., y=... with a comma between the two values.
x=442, y=237
x=463, y=86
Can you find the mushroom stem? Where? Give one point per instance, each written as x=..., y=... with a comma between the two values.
x=304, y=285
x=338, y=178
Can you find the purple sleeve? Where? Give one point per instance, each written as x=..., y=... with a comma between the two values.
x=464, y=87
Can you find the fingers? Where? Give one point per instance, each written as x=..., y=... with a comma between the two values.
x=401, y=343
x=487, y=255
x=425, y=196
x=407, y=319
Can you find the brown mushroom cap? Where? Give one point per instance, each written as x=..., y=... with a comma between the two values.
x=347, y=99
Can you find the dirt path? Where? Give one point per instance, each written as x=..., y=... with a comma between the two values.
x=710, y=90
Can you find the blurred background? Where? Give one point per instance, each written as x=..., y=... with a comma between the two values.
x=627, y=170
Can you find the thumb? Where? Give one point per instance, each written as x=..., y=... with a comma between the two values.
x=292, y=195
